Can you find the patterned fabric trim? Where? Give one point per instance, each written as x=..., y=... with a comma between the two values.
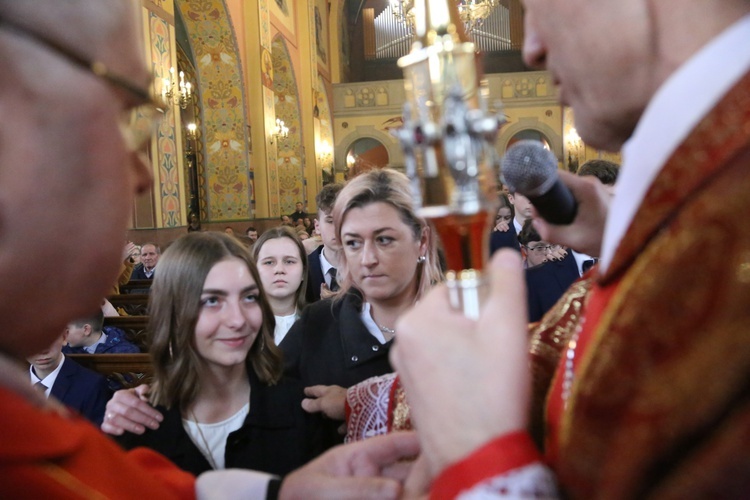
x=368, y=404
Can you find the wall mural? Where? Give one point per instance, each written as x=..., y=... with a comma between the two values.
x=289, y=159
x=228, y=179
x=326, y=134
x=321, y=35
x=166, y=161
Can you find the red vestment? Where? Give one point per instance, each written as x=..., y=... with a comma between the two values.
x=660, y=401
x=46, y=454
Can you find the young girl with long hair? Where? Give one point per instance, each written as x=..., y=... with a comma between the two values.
x=217, y=372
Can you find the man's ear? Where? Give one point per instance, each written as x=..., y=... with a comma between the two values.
x=87, y=330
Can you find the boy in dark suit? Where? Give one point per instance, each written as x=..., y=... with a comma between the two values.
x=322, y=262
x=547, y=277
x=78, y=388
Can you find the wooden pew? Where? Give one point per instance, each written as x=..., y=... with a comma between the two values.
x=136, y=286
x=121, y=370
x=134, y=304
x=134, y=328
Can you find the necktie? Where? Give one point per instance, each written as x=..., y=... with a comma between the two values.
x=334, y=286
x=588, y=264
x=39, y=386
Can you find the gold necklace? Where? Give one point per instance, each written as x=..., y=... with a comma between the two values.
x=207, y=451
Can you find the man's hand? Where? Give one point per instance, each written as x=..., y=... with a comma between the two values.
x=128, y=410
x=328, y=399
x=129, y=250
x=374, y=468
x=586, y=233
x=466, y=381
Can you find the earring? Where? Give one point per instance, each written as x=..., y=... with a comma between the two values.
x=421, y=259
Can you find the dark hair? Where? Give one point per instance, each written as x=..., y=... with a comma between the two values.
x=174, y=307
x=505, y=203
x=528, y=233
x=251, y=228
x=605, y=171
x=326, y=197
x=96, y=320
x=286, y=232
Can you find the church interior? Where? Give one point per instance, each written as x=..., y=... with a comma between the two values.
x=268, y=100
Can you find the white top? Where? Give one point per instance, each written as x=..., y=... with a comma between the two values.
x=676, y=108
x=49, y=380
x=215, y=435
x=372, y=327
x=283, y=324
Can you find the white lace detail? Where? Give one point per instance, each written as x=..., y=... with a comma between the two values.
x=368, y=401
x=532, y=481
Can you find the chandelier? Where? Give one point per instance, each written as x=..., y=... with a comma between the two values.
x=472, y=12
x=179, y=92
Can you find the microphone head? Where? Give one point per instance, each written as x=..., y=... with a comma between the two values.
x=529, y=168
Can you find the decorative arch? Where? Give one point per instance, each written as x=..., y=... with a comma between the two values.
x=227, y=175
x=290, y=156
x=395, y=155
x=529, y=124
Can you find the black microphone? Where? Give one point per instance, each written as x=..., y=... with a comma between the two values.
x=531, y=169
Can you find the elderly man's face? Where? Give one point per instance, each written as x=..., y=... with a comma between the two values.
x=84, y=168
x=149, y=256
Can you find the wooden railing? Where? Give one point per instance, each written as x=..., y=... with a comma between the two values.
x=134, y=304
x=136, y=286
x=123, y=370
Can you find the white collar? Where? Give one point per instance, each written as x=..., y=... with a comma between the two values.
x=580, y=259
x=324, y=264
x=49, y=380
x=676, y=108
x=517, y=225
x=372, y=327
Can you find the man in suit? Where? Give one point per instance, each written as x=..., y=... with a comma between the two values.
x=323, y=261
x=650, y=397
x=606, y=172
x=150, y=253
x=76, y=387
x=299, y=213
x=546, y=278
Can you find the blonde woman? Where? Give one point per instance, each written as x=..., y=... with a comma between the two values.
x=389, y=259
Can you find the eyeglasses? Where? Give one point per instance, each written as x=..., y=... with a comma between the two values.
x=542, y=248
x=137, y=123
